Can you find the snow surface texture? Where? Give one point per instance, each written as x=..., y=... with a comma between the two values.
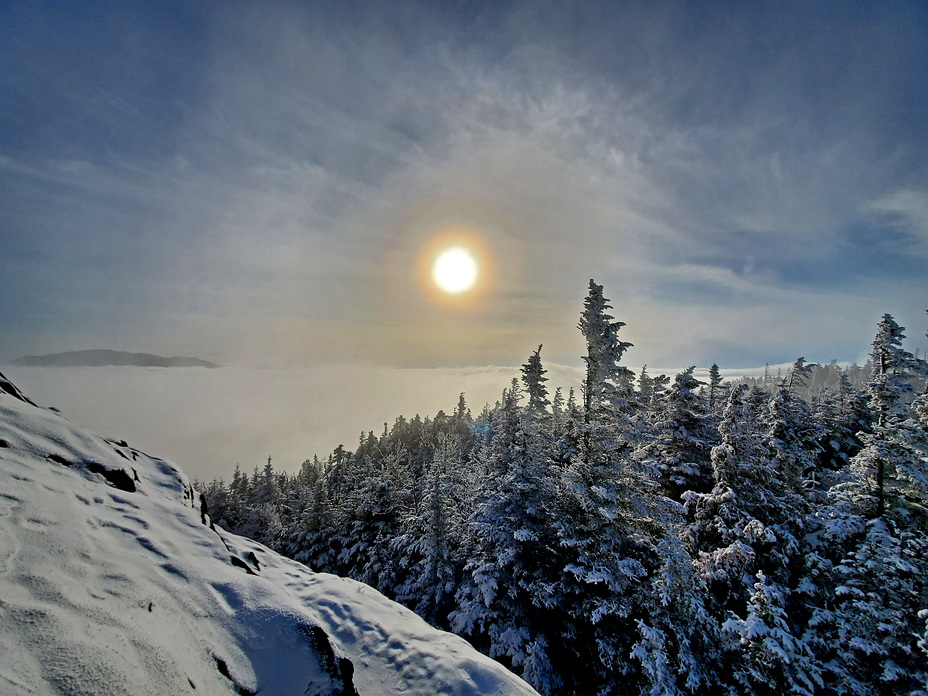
x=111, y=583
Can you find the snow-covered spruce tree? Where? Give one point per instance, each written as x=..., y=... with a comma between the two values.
x=650, y=389
x=608, y=538
x=877, y=623
x=723, y=530
x=888, y=468
x=375, y=522
x=221, y=504
x=659, y=385
x=770, y=660
x=419, y=440
x=893, y=369
x=841, y=412
x=610, y=523
x=898, y=451
x=557, y=408
x=260, y=519
x=320, y=535
x=430, y=547
x=823, y=378
x=678, y=449
x=646, y=390
x=568, y=431
x=832, y=528
x=311, y=517
x=753, y=522
x=716, y=392
x=677, y=642
x=505, y=602
x=295, y=497
x=645, y=387
x=608, y=388
x=792, y=433
x=533, y=377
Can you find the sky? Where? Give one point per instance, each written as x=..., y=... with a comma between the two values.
x=257, y=183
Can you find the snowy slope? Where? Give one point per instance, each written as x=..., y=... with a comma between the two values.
x=111, y=583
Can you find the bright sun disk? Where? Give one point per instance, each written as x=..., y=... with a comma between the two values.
x=455, y=270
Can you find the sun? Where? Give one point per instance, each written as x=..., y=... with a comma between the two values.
x=455, y=270
x=455, y=267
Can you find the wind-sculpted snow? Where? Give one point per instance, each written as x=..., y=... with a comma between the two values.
x=112, y=589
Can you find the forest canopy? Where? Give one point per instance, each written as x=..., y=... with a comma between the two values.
x=642, y=534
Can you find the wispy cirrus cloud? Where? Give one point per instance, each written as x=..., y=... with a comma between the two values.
x=250, y=178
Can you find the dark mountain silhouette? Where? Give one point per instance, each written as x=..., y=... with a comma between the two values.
x=103, y=358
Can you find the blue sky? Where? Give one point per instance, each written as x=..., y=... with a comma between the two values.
x=252, y=182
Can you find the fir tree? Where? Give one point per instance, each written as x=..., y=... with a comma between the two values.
x=715, y=386
x=608, y=391
x=792, y=434
x=883, y=589
x=261, y=516
x=752, y=519
x=645, y=386
x=610, y=522
x=679, y=448
x=533, y=376
x=430, y=547
x=771, y=660
x=887, y=457
x=506, y=599
x=677, y=641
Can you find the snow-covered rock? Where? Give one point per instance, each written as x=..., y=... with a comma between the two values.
x=112, y=581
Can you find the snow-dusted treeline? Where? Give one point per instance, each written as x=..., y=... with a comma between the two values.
x=645, y=535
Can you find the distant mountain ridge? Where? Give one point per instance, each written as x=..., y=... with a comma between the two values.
x=105, y=358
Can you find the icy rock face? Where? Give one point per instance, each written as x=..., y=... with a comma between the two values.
x=112, y=580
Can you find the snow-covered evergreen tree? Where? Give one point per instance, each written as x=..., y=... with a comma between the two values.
x=506, y=601
x=533, y=376
x=430, y=546
x=841, y=412
x=892, y=371
x=261, y=516
x=884, y=587
x=792, y=433
x=677, y=643
x=723, y=528
x=608, y=388
x=771, y=659
x=611, y=519
x=716, y=390
x=679, y=448
x=890, y=467
x=752, y=525
x=645, y=387
x=371, y=528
